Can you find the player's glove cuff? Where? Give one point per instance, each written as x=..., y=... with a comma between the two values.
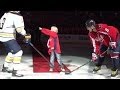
x=27, y=38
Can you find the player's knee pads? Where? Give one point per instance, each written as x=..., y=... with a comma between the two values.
x=115, y=55
x=9, y=57
x=17, y=57
x=17, y=60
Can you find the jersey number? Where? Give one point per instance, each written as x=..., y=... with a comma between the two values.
x=2, y=23
x=107, y=30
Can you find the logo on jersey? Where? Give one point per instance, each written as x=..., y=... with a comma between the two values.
x=2, y=23
x=100, y=38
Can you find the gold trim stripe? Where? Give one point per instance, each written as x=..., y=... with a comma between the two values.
x=7, y=35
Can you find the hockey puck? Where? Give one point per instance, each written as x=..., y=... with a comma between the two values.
x=67, y=72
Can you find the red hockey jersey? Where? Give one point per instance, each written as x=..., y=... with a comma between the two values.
x=53, y=41
x=104, y=35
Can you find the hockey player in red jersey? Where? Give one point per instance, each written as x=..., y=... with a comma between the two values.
x=103, y=38
x=53, y=46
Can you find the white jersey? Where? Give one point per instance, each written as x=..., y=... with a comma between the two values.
x=8, y=24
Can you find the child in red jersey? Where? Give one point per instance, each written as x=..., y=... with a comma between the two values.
x=53, y=46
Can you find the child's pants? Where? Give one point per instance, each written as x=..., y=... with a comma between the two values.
x=52, y=59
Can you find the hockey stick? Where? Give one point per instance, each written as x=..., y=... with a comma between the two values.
x=41, y=54
x=88, y=61
x=80, y=66
x=66, y=72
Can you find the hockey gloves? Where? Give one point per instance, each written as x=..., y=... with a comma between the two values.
x=40, y=28
x=94, y=57
x=27, y=38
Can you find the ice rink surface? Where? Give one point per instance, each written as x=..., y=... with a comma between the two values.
x=71, y=56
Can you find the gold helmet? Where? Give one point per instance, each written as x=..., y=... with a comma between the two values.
x=16, y=12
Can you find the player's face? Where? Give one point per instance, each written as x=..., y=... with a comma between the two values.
x=92, y=28
x=89, y=29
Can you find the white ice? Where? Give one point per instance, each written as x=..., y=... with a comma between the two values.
x=75, y=56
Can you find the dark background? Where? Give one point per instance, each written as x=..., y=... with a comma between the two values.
x=68, y=21
x=68, y=16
